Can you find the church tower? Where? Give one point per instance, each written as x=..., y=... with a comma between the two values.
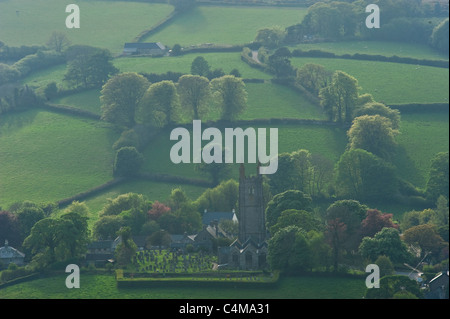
x=252, y=222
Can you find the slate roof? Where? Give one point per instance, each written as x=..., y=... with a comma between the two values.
x=10, y=252
x=209, y=217
x=146, y=46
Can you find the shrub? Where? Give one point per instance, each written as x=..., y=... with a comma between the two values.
x=127, y=162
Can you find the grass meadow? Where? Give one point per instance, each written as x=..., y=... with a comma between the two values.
x=408, y=50
x=104, y=287
x=47, y=157
x=421, y=136
x=224, y=25
x=392, y=83
x=105, y=24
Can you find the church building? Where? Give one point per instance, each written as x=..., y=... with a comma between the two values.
x=249, y=251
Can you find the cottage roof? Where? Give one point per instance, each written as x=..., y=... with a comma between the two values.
x=209, y=217
x=10, y=252
x=144, y=45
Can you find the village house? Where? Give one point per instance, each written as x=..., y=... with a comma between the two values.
x=10, y=255
x=153, y=48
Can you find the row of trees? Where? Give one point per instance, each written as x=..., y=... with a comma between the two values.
x=129, y=99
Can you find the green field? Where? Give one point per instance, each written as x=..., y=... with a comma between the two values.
x=182, y=64
x=409, y=50
x=104, y=287
x=224, y=25
x=393, y=83
x=422, y=136
x=47, y=157
x=105, y=24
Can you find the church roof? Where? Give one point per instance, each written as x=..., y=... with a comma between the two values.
x=10, y=252
x=209, y=217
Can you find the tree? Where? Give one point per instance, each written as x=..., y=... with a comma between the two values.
x=222, y=198
x=395, y=286
x=313, y=77
x=200, y=66
x=362, y=175
x=271, y=37
x=194, y=91
x=126, y=249
x=128, y=162
x=375, y=221
x=9, y=229
x=438, y=180
x=340, y=97
x=158, y=209
x=231, y=96
x=121, y=96
x=283, y=179
x=159, y=106
x=289, y=251
x=106, y=227
x=301, y=218
x=385, y=265
x=125, y=202
x=301, y=162
x=58, y=41
x=91, y=67
x=374, y=134
x=323, y=20
x=375, y=108
x=350, y=213
x=387, y=242
x=440, y=36
x=336, y=235
x=280, y=64
x=50, y=90
x=291, y=199
x=425, y=237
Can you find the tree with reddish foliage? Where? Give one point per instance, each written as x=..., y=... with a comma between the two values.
x=336, y=234
x=375, y=221
x=158, y=209
x=9, y=229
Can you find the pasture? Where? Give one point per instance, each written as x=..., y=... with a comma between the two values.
x=104, y=287
x=105, y=24
x=47, y=156
x=224, y=25
x=392, y=83
x=408, y=50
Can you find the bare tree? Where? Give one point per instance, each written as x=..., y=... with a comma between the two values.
x=58, y=41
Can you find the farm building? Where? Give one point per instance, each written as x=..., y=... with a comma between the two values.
x=153, y=48
x=10, y=255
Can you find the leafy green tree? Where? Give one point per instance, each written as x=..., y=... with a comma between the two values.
x=375, y=108
x=323, y=20
x=301, y=218
x=271, y=37
x=90, y=68
x=385, y=265
x=289, y=250
x=231, y=96
x=128, y=162
x=283, y=179
x=438, y=180
x=159, y=106
x=280, y=64
x=374, y=134
x=340, y=97
x=222, y=198
x=426, y=238
x=194, y=91
x=362, y=175
x=121, y=96
x=27, y=217
x=387, y=242
x=106, y=227
x=200, y=66
x=351, y=213
x=126, y=249
x=395, y=285
x=125, y=202
x=9, y=229
x=313, y=77
x=291, y=199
